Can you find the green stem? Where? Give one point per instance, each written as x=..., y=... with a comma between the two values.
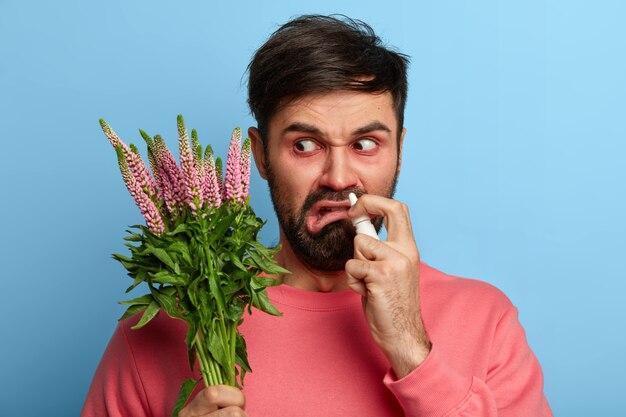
x=233, y=345
x=224, y=335
x=207, y=362
x=205, y=369
x=216, y=371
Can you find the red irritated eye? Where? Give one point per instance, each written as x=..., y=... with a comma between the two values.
x=306, y=146
x=365, y=145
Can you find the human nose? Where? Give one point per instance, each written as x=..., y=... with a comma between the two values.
x=338, y=172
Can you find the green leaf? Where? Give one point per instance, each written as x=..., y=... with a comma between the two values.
x=182, y=249
x=268, y=266
x=241, y=356
x=186, y=389
x=217, y=348
x=166, y=277
x=237, y=262
x=232, y=283
x=151, y=311
x=126, y=262
x=133, y=237
x=234, y=312
x=221, y=228
x=193, y=292
x=143, y=300
x=189, y=340
x=162, y=256
x=167, y=302
x=259, y=282
x=138, y=280
x=141, y=276
x=261, y=301
x=178, y=229
x=216, y=292
x=207, y=305
x=275, y=269
x=132, y=310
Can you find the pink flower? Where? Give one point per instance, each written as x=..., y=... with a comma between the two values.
x=170, y=178
x=210, y=184
x=133, y=159
x=245, y=169
x=196, y=150
x=219, y=175
x=232, y=182
x=193, y=192
x=144, y=202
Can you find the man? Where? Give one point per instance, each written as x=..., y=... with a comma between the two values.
x=367, y=329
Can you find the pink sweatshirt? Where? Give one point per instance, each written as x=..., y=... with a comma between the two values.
x=319, y=359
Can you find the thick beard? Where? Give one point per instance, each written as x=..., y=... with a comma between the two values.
x=331, y=247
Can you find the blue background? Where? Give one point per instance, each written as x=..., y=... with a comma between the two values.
x=513, y=165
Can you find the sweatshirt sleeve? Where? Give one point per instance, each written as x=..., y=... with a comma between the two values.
x=116, y=389
x=513, y=386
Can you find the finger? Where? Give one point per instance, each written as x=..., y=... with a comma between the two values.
x=395, y=215
x=357, y=271
x=211, y=399
x=366, y=247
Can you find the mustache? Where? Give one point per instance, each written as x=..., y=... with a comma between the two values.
x=330, y=195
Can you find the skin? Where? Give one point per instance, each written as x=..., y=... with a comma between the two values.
x=333, y=142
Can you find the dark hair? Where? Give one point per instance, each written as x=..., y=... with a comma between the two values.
x=317, y=54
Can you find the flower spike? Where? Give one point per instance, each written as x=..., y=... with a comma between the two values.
x=246, y=151
x=190, y=176
x=232, y=182
x=211, y=187
x=170, y=177
x=135, y=163
x=146, y=205
x=220, y=176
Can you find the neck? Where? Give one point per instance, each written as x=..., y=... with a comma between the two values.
x=306, y=277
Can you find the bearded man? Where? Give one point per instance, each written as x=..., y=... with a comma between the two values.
x=367, y=328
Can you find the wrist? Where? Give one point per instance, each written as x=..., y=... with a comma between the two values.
x=408, y=356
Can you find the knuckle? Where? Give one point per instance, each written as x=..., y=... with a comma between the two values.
x=406, y=263
x=359, y=239
x=358, y=269
x=401, y=212
x=370, y=243
x=370, y=246
x=398, y=206
x=350, y=266
x=211, y=394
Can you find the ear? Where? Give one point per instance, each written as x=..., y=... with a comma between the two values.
x=258, y=151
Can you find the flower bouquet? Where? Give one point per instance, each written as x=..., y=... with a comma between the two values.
x=198, y=252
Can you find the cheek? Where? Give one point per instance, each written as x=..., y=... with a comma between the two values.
x=292, y=182
x=378, y=179
x=293, y=173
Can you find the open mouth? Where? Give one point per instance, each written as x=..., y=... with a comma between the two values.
x=326, y=212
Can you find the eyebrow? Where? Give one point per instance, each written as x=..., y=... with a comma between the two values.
x=301, y=127
x=308, y=128
x=371, y=127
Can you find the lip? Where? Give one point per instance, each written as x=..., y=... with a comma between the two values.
x=317, y=218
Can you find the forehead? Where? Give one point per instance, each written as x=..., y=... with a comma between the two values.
x=336, y=111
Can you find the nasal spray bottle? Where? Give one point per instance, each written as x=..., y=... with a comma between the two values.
x=362, y=223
